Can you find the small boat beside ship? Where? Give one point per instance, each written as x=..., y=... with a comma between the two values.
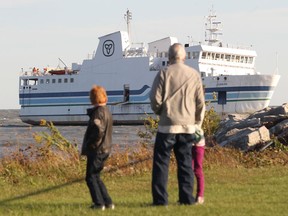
x=127, y=71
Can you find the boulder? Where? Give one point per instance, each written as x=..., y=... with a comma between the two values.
x=232, y=124
x=283, y=137
x=279, y=128
x=247, y=139
x=245, y=132
x=271, y=120
x=279, y=110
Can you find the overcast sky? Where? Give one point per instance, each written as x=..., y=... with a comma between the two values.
x=35, y=33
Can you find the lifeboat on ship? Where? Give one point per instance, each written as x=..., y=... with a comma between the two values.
x=57, y=72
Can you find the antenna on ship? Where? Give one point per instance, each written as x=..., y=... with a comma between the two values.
x=212, y=27
x=128, y=17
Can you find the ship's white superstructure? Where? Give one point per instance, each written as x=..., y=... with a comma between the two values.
x=127, y=72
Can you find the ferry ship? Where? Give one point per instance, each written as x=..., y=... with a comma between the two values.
x=127, y=71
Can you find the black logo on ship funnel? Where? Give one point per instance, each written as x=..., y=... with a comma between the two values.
x=108, y=48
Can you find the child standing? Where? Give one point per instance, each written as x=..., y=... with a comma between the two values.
x=198, y=150
x=97, y=147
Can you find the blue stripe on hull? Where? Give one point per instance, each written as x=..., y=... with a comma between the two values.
x=240, y=88
x=84, y=114
x=79, y=94
x=234, y=94
x=242, y=95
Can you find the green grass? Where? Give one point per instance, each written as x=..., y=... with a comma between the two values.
x=228, y=191
x=47, y=179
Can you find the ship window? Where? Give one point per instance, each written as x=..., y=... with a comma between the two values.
x=24, y=82
x=203, y=55
x=59, y=80
x=250, y=60
x=213, y=56
x=34, y=82
x=53, y=80
x=29, y=82
x=246, y=59
x=208, y=55
x=227, y=57
x=71, y=80
x=65, y=80
x=188, y=55
x=217, y=56
x=41, y=81
x=237, y=58
x=195, y=55
x=47, y=81
x=163, y=63
x=203, y=74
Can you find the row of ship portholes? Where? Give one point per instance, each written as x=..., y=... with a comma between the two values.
x=225, y=78
x=217, y=78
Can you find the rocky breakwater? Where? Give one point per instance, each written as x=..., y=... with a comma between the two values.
x=255, y=131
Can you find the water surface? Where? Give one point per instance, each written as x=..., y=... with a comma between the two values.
x=13, y=132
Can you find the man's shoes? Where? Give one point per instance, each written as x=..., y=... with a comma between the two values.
x=98, y=207
x=110, y=206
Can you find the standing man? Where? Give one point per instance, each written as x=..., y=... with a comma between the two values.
x=177, y=97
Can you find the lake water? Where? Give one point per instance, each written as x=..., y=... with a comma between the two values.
x=13, y=132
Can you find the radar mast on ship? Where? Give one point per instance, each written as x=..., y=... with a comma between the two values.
x=128, y=17
x=212, y=28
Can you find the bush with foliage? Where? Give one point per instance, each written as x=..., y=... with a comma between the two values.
x=56, y=159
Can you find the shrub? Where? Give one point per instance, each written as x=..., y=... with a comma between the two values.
x=52, y=157
x=56, y=159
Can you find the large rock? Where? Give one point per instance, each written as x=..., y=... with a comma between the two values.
x=246, y=139
x=260, y=135
x=234, y=136
x=261, y=113
x=231, y=124
x=245, y=132
x=283, y=136
x=279, y=128
x=272, y=120
x=280, y=110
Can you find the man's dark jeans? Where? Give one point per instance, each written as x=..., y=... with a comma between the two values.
x=97, y=189
x=182, y=146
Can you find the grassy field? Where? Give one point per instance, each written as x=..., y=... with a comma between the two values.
x=229, y=191
x=48, y=179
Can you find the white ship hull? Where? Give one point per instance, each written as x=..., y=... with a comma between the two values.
x=253, y=94
x=127, y=72
x=240, y=94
